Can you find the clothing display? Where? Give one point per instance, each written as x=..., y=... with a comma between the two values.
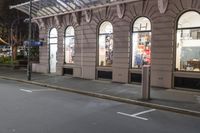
x=69, y=50
x=142, y=50
x=106, y=50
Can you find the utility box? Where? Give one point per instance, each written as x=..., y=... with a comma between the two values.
x=146, y=82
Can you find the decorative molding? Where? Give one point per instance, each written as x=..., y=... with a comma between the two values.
x=41, y=24
x=58, y=21
x=88, y=15
x=77, y=17
x=50, y=22
x=107, y=12
x=121, y=10
x=162, y=5
x=66, y=19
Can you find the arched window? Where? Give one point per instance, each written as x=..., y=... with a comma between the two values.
x=141, y=42
x=69, y=45
x=106, y=44
x=188, y=42
x=53, y=34
x=53, y=42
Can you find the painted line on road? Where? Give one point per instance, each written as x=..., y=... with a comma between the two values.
x=144, y=112
x=43, y=90
x=38, y=90
x=136, y=115
x=26, y=90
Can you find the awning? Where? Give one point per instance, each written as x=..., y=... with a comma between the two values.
x=48, y=8
x=2, y=42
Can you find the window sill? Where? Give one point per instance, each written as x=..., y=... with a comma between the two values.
x=104, y=68
x=135, y=70
x=68, y=65
x=187, y=74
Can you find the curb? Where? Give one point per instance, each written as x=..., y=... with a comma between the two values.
x=114, y=98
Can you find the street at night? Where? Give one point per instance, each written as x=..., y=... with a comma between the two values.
x=99, y=66
x=31, y=109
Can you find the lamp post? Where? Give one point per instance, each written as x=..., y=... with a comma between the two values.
x=29, y=37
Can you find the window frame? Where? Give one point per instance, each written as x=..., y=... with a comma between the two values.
x=176, y=40
x=50, y=37
x=49, y=45
x=65, y=37
x=105, y=34
x=142, y=31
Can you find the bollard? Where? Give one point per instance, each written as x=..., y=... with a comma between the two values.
x=146, y=82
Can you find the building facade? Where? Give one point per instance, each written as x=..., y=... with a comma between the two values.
x=114, y=42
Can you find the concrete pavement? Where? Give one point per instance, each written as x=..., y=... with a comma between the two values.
x=186, y=102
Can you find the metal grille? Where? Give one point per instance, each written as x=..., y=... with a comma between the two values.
x=48, y=8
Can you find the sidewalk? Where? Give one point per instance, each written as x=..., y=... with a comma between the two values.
x=186, y=102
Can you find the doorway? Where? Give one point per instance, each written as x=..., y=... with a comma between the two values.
x=53, y=46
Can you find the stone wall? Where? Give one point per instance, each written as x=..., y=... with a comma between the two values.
x=86, y=39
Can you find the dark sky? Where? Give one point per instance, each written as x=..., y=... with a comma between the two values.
x=6, y=14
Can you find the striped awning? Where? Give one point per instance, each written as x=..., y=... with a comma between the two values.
x=48, y=8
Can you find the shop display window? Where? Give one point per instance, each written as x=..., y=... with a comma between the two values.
x=106, y=44
x=141, y=43
x=69, y=45
x=188, y=42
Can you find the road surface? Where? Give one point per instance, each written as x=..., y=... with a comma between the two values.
x=28, y=108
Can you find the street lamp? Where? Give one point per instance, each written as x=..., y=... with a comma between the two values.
x=29, y=37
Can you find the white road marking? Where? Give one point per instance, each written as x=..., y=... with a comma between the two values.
x=136, y=115
x=43, y=90
x=38, y=90
x=132, y=116
x=25, y=90
x=144, y=112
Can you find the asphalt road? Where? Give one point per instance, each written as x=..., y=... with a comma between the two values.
x=31, y=109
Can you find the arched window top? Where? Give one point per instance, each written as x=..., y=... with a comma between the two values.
x=69, y=31
x=189, y=19
x=53, y=33
x=106, y=28
x=142, y=24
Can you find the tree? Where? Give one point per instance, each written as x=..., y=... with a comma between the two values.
x=19, y=28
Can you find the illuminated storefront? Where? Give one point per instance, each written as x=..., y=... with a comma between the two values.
x=188, y=42
x=188, y=50
x=105, y=51
x=114, y=39
x=69, y=45
x=106, y=44
x=141, y=45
